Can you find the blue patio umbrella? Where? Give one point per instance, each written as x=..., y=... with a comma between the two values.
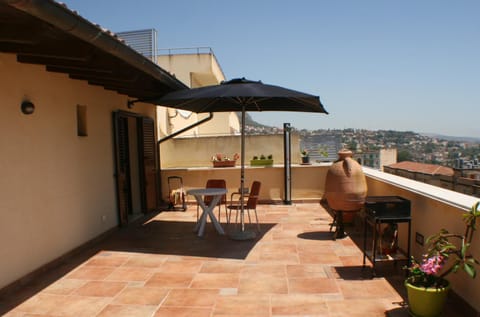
x=241, y=95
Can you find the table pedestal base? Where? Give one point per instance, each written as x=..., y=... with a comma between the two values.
x=242, y=235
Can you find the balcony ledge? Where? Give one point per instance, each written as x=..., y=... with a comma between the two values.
x=449, y=197
x=248, y=166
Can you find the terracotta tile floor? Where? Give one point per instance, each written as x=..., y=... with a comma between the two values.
x=159, y=267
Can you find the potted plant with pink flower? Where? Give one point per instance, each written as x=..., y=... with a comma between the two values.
x=223, y=160
x=426, y=284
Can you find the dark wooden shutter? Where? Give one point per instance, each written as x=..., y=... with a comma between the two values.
x=122, y=166
x=149, y=164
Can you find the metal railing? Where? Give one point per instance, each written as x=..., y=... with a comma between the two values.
x=185, y=50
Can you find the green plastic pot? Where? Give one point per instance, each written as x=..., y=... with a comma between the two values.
x=261, y=162
x=426, y=302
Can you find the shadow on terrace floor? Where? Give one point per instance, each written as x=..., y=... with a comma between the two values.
x=145, y=235
x=177, y=238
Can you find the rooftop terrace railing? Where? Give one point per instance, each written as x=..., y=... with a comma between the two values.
x=185, y=50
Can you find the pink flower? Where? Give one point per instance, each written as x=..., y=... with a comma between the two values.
x=433, y=264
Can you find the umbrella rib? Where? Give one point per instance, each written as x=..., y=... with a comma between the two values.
x=250, y=101
x=183, y=104
x=204, y=108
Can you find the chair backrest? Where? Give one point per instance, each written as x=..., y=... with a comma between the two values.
x=216, y=183
x=253, y=196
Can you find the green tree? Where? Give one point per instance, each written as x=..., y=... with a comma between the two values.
x=404, y=156
x=429, y=147
x=352, y=145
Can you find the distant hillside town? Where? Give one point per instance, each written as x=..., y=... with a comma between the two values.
x=324, y=144
x=451, y=163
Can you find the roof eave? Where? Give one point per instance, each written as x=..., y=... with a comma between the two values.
x=89, y=37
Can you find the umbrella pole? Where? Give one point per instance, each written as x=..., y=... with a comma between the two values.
x=242, y=169
x=242, y=234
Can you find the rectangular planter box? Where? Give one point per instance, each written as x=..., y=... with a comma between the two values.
x=265, y=162
x=224, y=163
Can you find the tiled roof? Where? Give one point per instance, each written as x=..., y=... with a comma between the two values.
x=430, y=169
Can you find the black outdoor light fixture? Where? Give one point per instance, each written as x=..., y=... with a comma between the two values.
x=27, y=107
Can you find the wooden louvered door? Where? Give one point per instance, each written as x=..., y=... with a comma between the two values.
x=149, y=168
x=122, y=166
x=136, y=165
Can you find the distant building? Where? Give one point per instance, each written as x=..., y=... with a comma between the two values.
x=376, y=159
x=433, y=174
x=463, y=164
x=195, y=67
x=462, y=181
x=321, y=147
x=407, y=168
x=143, y=41
x=467, y=168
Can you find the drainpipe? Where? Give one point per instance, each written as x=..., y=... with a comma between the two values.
x=174, y=134
x=168, y=137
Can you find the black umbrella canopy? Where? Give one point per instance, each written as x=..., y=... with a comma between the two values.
x=241, y=95
x=235, y=94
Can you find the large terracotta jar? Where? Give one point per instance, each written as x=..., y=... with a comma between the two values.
x=345, y=184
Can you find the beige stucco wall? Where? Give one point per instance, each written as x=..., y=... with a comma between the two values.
x=308, y=182
x=190, y=158
x=223, y=123
x=172, y=120
x=195, y=70
x=429, y=215
x=57, y=189
x=197, y=152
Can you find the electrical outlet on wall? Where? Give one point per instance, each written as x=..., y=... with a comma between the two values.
x=419, y=238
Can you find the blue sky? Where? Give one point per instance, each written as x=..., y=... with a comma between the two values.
x=376, y=64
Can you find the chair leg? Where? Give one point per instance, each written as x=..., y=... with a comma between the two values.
x=256, y=217
x=334, y=221
x=226, y=214
x=229, y=214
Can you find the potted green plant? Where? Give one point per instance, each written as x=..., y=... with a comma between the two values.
x=305, y=156
x=323, y=151
x=426, y=284
x=262, y=161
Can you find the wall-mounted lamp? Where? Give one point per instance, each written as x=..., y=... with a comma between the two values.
x=27, y=107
